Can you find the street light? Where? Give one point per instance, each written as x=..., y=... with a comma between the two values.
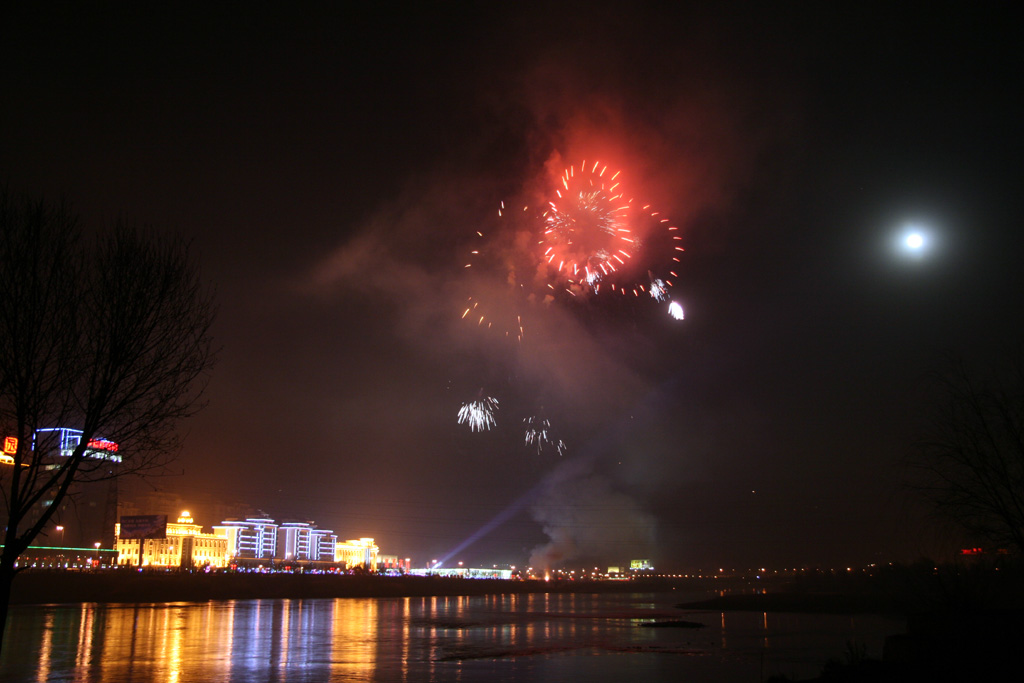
x=97, y=545
x=61, y=530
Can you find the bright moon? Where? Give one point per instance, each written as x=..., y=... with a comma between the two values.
x=914, y=241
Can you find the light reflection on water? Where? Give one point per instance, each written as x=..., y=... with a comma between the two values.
x=470, y=639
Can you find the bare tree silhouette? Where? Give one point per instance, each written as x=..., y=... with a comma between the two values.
x=110, y=336
x=971, y=466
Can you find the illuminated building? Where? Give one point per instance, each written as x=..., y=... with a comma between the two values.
x=303, y=541
x=252, y=538
x=360, y=552
x=185, y=546
x=67, y=441
x=386, y=562
x=87, y=513
x=293, y=541
x=322, y=544
x=463, y=572
x=51, y=557
x=260, y=538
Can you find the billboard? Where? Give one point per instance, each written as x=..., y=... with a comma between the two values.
x=144, y=526
x=10, y=449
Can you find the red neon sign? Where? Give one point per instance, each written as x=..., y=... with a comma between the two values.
x=10, y=445
x=102, y=445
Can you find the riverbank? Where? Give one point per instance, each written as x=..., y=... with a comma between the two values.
x=893, y=591
x=806, y=603
x=117, y=585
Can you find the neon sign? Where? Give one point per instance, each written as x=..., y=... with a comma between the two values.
x=10, y=445
x=102, y=445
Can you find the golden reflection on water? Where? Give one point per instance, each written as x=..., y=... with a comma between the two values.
x=339, y=640
x=243, y=640
x=229, y=624
x=297, y=640
x=286, y=632
x=400, y=639
x=45, y=650
x=84, y=652
x=353, y=642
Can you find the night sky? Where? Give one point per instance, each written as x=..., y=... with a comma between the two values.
x=332, y=168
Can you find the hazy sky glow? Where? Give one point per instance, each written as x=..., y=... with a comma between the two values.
x=334, y=171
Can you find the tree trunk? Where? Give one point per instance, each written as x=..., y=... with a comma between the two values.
x=7, y=572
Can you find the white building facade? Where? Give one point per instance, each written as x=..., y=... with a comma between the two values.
x=303, y=541
x=253, y=538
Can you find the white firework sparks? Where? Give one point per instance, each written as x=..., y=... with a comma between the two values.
x=675, y=310
x=479, y=414
x=538, y=434
x=659, y=291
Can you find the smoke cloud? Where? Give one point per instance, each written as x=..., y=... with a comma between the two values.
x=589, y=521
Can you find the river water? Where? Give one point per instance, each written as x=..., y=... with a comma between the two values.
x=533, y=637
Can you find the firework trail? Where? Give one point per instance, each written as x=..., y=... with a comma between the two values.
x=502, y=269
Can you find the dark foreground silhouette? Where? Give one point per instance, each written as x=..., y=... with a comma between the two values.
x=965, y=621
x=938, y=647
